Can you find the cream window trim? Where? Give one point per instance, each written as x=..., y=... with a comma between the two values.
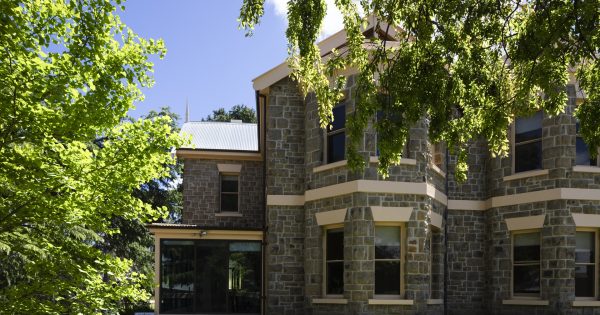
x=229, y=214
x=525, y=223
x=529, y=296
x=438, y=170
x=532, y=302
x=327, y=218
x=194, y=234
x=435, y=301
x=595, y=263
x=330, y=166
x=218, y=155
x=403, y=161
x=403, y=238
x=584, y=303
x=436, y=219
x=230, y=168
x=324, y=279
x=391, y=214
x=329, y=301
x=285, y=200
x=586, y=169
x=391, y=302
x=586, y=220
x=526, y=174
x=513, y=137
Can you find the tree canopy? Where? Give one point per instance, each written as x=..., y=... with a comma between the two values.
x=468, y=67
x=237, y=112
x=69, y=162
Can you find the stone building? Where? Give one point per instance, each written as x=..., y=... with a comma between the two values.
x=275, y=223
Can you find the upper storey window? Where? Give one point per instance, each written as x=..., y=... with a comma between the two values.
x=336, y=135
x=528, y=143
x=583, y=156
x=229, y=193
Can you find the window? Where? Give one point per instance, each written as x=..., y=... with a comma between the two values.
x=437, y=154
x=436, y=279
x=528, y=143
x=336, y=135
x=334, y=261
x=526, y=264
x=388, y=261
x=585, y=264
x=381, y=116
x=229, y=193
x=583, y=156
x=210, y=276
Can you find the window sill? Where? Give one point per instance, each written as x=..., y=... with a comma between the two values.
x=390, y=302
x=526, y=175
x=435, y=301
x=228, y=214
x=403, y=161
x=330, y=166
x=438, y=170
x=330, y=301
x=584, y=303
x=526, y=302
x=586, y=169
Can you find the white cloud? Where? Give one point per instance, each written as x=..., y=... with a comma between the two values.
x=332, y=23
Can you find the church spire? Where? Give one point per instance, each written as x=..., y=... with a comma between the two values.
x=187, y=110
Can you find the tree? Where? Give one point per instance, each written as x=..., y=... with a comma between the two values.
x=468, y=67
x=237, y=112
x=134, y=241
x=69, y=72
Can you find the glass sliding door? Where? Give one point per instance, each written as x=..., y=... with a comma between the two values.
x=210, y=276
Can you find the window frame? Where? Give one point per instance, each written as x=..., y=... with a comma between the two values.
x=325, y=261
x=577, y=136
x=221, y=176
x=433, y=229
x=329, y=133
x=402, y=260
x=524, y=296
x=514, y=143
x=596, y=257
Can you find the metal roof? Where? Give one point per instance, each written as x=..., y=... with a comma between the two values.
x=231, y=136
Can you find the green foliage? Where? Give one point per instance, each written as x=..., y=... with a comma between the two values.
x=237, y=112
x=468, y=67
x=69, y=164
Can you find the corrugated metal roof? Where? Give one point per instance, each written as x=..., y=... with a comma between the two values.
x=235, y=136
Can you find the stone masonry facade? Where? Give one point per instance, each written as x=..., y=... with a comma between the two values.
x=457, y=248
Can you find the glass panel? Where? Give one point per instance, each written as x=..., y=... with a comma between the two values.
x=387, y=242
x=528, y=128
x=527, y=247
x=335, y=277
x=583, y=154
x=336, y=147
x=335, y=244
x=584, y=247
x=526, y=279
x=177, y=276
x=245, y=273
x=387, y=277
x=229, y=202
x=528, y=156
x=339, y=118
x=229, y=184
x=437, y=270
x=212, y=275
x=584, y=280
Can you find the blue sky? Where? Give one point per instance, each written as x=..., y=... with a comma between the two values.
x=209, y=61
